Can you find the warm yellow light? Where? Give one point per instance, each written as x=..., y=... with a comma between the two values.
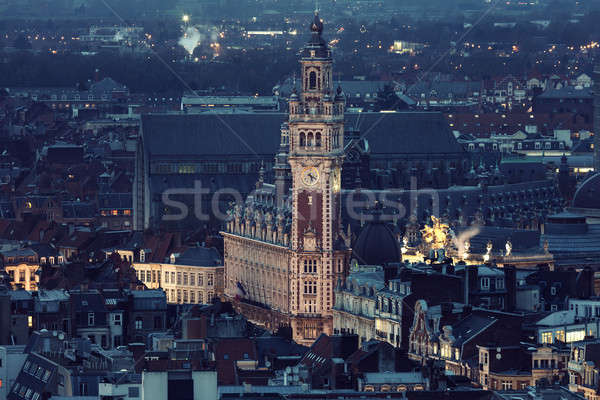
x=437, y=234
x=185, y=18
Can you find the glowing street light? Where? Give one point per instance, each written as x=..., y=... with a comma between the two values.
x=185, y=18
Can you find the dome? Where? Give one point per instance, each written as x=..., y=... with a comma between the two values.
x=588, y=194
x=376, y=244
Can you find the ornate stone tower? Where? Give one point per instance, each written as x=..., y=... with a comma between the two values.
x=316, y=143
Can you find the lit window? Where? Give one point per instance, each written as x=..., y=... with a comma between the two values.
x=547, y=337
x=575, y=336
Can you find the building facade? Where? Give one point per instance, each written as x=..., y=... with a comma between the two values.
x=280, y=276
x=194, y=277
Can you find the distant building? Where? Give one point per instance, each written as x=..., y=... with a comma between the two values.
x=194, y=277
x=194, y=103
x=22, y=267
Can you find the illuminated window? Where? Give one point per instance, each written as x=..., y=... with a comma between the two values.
x=115, y=212
x=547, y=337
x=127, y=212
x=575, y=336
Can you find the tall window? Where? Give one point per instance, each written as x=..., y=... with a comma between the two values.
x=485, y=283
x=312, y=80
x=139, y=323
x=310, y=305
x=547, y=337
x=310, y=287
x=91, y=319
x=310, y=266
x=209, y=280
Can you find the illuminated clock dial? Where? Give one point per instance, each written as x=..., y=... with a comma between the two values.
x=310, y=176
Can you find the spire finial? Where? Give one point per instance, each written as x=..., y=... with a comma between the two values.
x=317, y=24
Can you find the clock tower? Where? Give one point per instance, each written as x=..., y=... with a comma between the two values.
x=316, y=143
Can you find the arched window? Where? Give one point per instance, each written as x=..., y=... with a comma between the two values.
x=318, y=139
x=312, y=80
x=309, y=139
x=302, y=139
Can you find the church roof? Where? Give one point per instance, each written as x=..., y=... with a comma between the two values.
x=253, y=134
x=405, y=132
x=212, y=134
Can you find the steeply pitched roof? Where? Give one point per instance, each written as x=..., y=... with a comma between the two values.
x=257, y=134
x=211, y=134
x=200, y=257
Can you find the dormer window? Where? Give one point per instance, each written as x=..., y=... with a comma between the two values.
x=172, y=258
x=142, y=256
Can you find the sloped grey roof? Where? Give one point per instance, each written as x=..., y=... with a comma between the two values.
x=567, y=92
x=257, y=134
x=212, y=134
x=469, y=327
x=406, y=132
x=200, y=257
x=576, y=243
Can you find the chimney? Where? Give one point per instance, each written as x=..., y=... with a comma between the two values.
x=510, y=278
x=138, y=350
x=390, y=271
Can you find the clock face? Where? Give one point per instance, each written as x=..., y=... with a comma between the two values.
x=310, y=176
